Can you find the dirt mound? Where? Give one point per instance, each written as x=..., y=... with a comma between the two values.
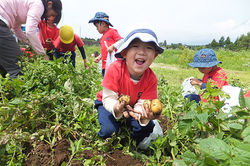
x=117, y=158
x=43, y=155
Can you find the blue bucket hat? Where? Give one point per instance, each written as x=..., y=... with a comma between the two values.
x=204, y=58
x=145, y=35
x=100, y=16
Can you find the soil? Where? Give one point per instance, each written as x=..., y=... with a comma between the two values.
x=43, y=155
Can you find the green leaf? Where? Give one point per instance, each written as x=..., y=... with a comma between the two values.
x=242, y=155
x=68, y=85
x=16, y=101
x=247, y=101
x=189, y=157
x=185, y=126
x=158, y=153
x=246, y=132
x=203, y=117
x=179, y=163
x=242, y=99
x=247, y=139
x=189, y=115
x=235, y=126
x=215, y=147
x=211, y=161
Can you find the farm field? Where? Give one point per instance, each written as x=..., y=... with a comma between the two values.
x=47, y=117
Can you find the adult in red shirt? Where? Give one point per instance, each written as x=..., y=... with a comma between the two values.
x=206, y=62
x=66, y=42
x=130, y=76
x=109, y=37
x=48, y=33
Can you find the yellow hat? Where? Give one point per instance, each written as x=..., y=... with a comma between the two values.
x=66, y=34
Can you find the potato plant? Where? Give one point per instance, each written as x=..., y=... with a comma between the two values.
x=53, y=101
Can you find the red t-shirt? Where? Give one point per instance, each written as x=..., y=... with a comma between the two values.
x=46, y=32
x=218, y=77
x=68, y=47
x=117, y=79
x=110, y=37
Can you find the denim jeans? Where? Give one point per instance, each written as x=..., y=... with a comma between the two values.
x=193, y=97
x=65, y=56
x=110, y=125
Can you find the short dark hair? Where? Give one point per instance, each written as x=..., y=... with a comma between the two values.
x=56, y=5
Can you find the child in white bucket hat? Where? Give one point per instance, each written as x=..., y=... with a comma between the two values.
x=130, y=76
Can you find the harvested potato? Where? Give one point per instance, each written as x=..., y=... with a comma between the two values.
x=154, y=105
x=125, y=98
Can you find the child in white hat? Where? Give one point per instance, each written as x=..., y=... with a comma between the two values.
x=130, y=76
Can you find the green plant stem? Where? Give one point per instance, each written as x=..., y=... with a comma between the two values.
x=172, y=153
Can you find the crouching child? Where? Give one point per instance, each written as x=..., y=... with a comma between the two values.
x=130, y=75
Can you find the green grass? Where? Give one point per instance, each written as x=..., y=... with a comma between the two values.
x=173, y=65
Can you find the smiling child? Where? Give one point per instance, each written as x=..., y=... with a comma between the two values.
x=130, y=76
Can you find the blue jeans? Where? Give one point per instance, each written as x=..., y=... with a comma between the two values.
x=62, y=55
x=193, y=97
x=109, y=125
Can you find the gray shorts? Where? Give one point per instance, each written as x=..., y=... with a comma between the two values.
x=9, y=52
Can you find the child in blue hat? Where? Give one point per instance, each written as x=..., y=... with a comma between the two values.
x=206, y=62
x=110, y=36
x=130, y=76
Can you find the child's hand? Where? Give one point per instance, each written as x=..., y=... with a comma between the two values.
x=121, y=108
x=148, y=114
x=97, y=59
x=110, y=49
x=195, y=81
x=48, y=41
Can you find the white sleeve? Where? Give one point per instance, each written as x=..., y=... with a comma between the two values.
x=118, y=43
x=109, y=99
x=139, y=107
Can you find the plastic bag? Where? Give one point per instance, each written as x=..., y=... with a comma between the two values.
x=110, y=57
x=187, y=87
x=234, y=100
x=157, y=131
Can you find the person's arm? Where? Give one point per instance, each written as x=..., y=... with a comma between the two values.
x=114, y=46
x=33, y=17
x=83, y=56
x=20, y=34
x=109, y=99
x=203, y=86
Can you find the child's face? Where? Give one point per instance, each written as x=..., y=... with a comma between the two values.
x=139, y=56
x=205, y=70
x=100, y=26
x=51, y=14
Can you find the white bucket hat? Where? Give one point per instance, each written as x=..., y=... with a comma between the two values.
x=145, y=35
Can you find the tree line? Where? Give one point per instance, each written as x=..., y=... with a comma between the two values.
x=241, y=43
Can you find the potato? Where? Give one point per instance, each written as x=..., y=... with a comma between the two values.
x=156, y=106
x=125, y=98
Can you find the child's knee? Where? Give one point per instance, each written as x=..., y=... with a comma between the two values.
x=107, y=131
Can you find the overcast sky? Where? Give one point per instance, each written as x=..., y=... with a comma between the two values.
x=176, y=21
